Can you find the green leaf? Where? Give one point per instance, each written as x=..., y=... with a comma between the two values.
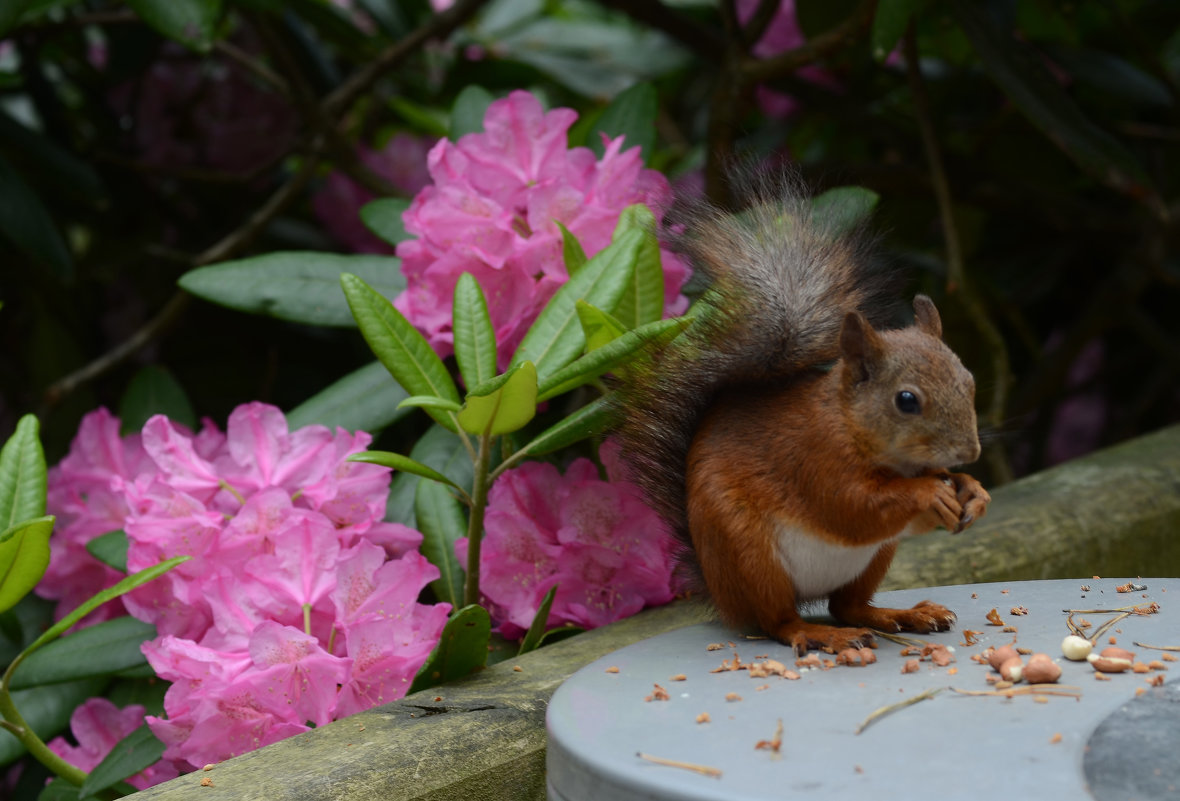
x=632, y=114
x=503, y=405
x=24, y=558
x=133, y=753
x=558, y=634
x=302, y=287
x=441, y=520
x=439, y=450
x=364, y=400
x=844, y=208
x=889, y=25
x=598, y=327
x=572, y=254
x=555, y=337
x=588, y=421
x=110, y=549
x=26, y=223
x=403, y=463
x=643, y=300
x=153, y=390
x=468, y=112
x=99, y=650
x=604, y=358
x=47, y=710
x=1021, y=73
x=475, y=338
x=383, y=217
x=430, y=402
x=190, y=22
x=532, y=638
x=101, y=597
x=22, y=474
x=398, y=345
x=462, y=649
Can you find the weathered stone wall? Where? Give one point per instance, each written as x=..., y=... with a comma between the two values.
x=1115, y=513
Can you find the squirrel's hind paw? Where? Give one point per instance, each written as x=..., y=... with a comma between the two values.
x=803, y=636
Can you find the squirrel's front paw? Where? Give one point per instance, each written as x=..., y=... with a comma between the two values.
x=972, y=497
x=944, y=501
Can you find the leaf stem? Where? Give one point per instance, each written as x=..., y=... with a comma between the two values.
x=479, y=501
x=16, y=724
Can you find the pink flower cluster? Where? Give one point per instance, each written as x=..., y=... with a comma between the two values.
x=493, y=210
x=608, y=553
x=783, y=34
x=299, y=605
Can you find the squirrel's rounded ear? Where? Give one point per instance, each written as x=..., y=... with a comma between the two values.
x=860, y=345
x=926, y=316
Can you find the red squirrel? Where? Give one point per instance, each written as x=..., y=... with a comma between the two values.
x=789, y=439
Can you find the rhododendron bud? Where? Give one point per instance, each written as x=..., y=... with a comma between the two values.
x=493, y=211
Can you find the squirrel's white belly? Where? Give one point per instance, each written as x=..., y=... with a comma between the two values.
x=818, y=567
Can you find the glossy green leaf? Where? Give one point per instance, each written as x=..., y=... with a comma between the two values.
x=555, y=338
x=1020, y=72
x=364, y=400
x=588, y=421
x=24, y=558
x=604, y=358
x=573, y=256
x=110, y=549
x=133, y=753
x=462, y=649
x=532, y=638
x=296, y=286
x=844, y=208
x=190, y=22
x=101, y=597
x=889, y=24
x=402, y=463
x=468, y=112
x=26, y=223
x=398, y=345
x=439, y=450
x=22, y=474
x=632, y=115
x=503, y=406
x=430, y=402
x=47, y=710
x=99, y=650
x=154, y=390
x=598, y=327
x=475, y=338
x=442, y=521
x=383, y=217
x=643, y=300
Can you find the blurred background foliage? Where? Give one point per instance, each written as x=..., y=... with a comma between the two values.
x=1024, y=152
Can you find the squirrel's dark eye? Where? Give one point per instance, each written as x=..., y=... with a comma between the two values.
x=907, y=402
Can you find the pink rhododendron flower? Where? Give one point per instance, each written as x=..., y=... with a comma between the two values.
x=97, y=726
x=493, y=208
x=607, y=552
x=82, y=496
x=299, y=604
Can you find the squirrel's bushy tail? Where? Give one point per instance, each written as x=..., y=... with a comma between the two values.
x=782, y=273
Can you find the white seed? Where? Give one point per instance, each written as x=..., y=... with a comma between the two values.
x=1076, y=648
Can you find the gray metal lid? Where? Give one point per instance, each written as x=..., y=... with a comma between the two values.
x=950, y=746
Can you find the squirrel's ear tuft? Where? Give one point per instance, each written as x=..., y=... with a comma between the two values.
x=860, y=346
x=926, y=316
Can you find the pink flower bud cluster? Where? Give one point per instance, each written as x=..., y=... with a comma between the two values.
x=606, y=551
x=493, y=209
x=299, y=605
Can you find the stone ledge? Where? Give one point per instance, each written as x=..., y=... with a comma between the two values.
x=1114, y=512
